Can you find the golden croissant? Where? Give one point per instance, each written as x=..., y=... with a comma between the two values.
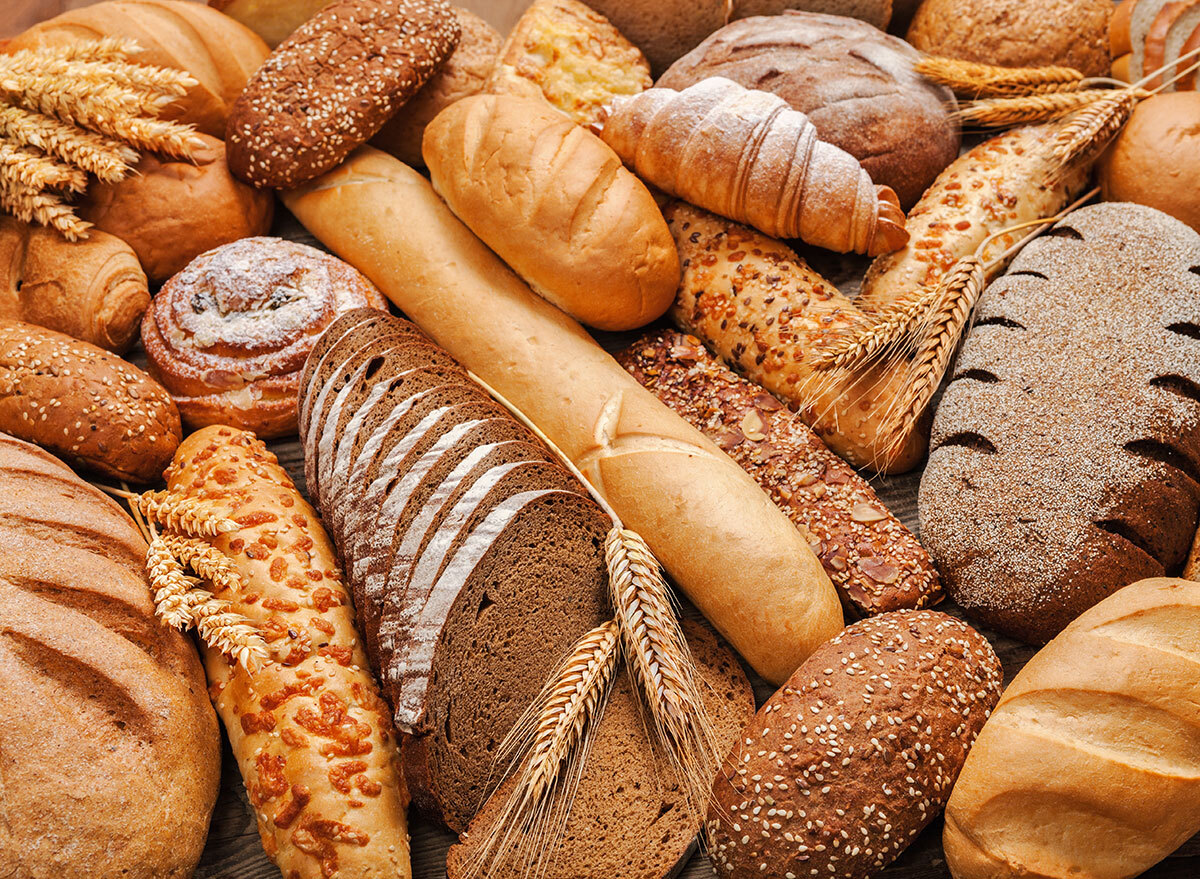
x=747, y=155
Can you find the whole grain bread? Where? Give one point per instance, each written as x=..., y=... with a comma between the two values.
x=475, y=558
x=628, y=819
x=1065, y=457
x=111, y=752
x=332, y=84
x=874, y=562
x=85, y=404
x=855, y=83
x=844, y=766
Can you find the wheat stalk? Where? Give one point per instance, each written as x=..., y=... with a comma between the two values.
x=37, y=171
x=976, y=80
x=1028, y=109
x=183, y=515
x=39, y=206
x=224, y=630
x=109, y=160
x=873, y=332
x=1088, y=131
x=559, y=729
x=658, y=658
x=206, y=560
x=103, y=49
x=170, y=585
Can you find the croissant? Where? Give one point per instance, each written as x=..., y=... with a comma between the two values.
x=747, y=155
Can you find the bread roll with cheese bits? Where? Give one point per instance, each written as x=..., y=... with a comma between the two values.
x=1090, y=765
x=557, y=205
x=736, y=556
x=311, y=734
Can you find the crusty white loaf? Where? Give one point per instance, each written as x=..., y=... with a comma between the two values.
x=1090, y=765
x=311, y=734
x=555, y=202
x=737, y=557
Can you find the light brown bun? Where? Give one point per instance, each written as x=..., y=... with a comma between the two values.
x=171, y=211
x=92, y=289
x=1119, y=42
x=228, y=336
x=1120, y=67
x=464, y=73
x=555, y=202
x=112, y=758
x=1017, y=33
x=667, y=29
x=273, y=20
x=213, y=48
x=1155, y=160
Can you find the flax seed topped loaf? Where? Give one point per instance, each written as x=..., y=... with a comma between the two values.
x=1065, y=457
x=475, y=558
x=875, y=563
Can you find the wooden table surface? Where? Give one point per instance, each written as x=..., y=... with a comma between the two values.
x=234, y=851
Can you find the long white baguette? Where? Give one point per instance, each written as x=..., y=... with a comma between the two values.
x=737, y=557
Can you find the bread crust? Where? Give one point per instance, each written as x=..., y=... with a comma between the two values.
x=753, y=576
x=555, y=203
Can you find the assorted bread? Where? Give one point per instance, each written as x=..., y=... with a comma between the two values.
x=112, y=760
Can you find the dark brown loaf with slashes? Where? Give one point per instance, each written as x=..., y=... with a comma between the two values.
x=475, y=558
x=1066, y=450
x=856, y=753
x=875, y=563
x=85, y=404
x=333, y=84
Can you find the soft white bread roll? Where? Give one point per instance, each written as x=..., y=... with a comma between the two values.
x=1090, y=765
x=555, y=202
x=728, y=547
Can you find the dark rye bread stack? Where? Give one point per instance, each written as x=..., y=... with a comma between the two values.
x=628, y=820
x=475, y=559
x=844, y=766
x=874, y=562
x=1065, y=457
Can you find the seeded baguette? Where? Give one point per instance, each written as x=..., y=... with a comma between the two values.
x=856, y=754
x=84, y=404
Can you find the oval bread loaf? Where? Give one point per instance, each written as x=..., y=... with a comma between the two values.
x=555, y=202
x=1090, y=765
x=85, y=404
x=856, y=754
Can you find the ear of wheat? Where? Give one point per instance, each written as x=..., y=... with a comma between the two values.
x=169, y=584
x=875, y=332
x=973, y=80
x=556, y=735
x=1084, y=134
x=223, y=630
x=1028, y=109
x=206, y=560
x=183, y=515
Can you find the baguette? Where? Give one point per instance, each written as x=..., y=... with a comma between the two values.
x=1090, y=764
x=311, y=734
x=736, y=556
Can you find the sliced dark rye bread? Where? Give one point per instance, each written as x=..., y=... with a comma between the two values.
x=629, y=820
x=1065, y=454
x=465, y=542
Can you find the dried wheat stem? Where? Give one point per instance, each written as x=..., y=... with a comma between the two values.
x=37, y=171
x=976, y=80
x=65, y=93
x=1028, y=109
x=169, y=584
x=206, y=560
x=1087, y=132
x=874, y=332
x=183, y=515
x=154, y=135
x=224, y=630
x=32, y=205
x=103, y=49
x=109, y=160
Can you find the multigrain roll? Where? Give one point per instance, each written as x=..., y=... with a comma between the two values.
x=857, y=753
x=558, y=206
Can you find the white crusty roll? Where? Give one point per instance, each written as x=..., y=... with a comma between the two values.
x=555, y=202
x=312, y=736
x=737, y=557
x=1090, y=764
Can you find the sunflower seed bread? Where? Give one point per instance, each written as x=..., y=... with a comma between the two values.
x=1065, y=458
x=845, y=765
x=874, y=562
x=475, y=558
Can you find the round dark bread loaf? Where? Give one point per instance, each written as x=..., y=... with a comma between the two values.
x=854, y=82
x=856, y=753
x=333, y=84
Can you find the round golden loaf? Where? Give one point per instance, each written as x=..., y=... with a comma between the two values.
x=558, y=206
x=111, y=751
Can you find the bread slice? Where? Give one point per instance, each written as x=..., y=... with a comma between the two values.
x=629, y=820
x=1118, y=29
x=475, y=558
x=1141, y=20
x=1183, y=26
x=1156, y=53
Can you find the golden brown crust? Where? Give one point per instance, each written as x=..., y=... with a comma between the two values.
x=1119, y=42
x=85, y=404
x=171, y=211
x=312, y=736
x=92, y=290
x=228, y=336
